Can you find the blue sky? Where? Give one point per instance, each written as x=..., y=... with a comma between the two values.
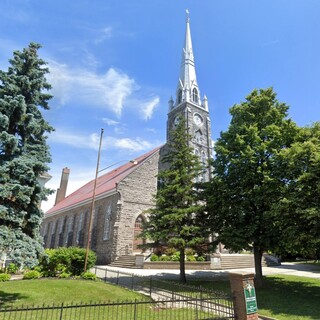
x=114, y=65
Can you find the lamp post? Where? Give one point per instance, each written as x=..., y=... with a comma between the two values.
x=94, y=198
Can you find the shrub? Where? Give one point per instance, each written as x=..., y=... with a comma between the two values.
x=12, y=268
x=64, y=275
x=32, y=274
x=4, y=277
x=176, y=256
x=170, y=251
x=200, y=258
x=154, y=257
x=77, y=258
x=66, y=260
x=89, y=276
x=191, y=258
x=164, y=258
x=189, y=252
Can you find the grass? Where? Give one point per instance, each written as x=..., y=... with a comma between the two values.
x=48, y=292
x=53, y=291
x=283, y=297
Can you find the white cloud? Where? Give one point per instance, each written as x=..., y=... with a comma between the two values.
x=151, y=130
x=147, y=108
x=110, y=122
x=137, y=144
x=103, y=34
x=92, y=141
x=109, y=90
x=74, y=140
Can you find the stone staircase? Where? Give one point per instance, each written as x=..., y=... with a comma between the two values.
x=237, y=261
x=125, y=261
x=227, y=261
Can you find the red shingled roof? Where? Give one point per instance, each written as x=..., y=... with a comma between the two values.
x=105, y=183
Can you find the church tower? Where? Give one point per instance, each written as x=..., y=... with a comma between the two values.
x=188, y=104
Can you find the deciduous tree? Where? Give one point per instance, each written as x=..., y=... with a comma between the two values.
x=300, y=207
x=247, y=180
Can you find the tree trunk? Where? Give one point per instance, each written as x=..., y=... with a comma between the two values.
x=258, y=281
x=183, y=278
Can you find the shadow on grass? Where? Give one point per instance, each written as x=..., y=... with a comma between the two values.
x=294, y=296
x=7, y=299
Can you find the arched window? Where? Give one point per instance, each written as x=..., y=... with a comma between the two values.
x=198, y=137
x=107, y=225
x=204, y=165
x=137, y=241
x=195, y=97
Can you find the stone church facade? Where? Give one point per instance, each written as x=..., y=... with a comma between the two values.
x=124, y=194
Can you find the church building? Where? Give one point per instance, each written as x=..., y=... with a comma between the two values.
x=124, y=194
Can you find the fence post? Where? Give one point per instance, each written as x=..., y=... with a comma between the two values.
x=197, y=308
x=118, y=277
x=135, y=310
x=61, y=311
x=132, y=282
x=244, y=296
x=150, y=286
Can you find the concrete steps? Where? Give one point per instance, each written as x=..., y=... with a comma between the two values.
x=125, y=261
x=237, y=261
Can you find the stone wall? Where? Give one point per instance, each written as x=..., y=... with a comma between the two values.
x=136, y=196
x=70, y=227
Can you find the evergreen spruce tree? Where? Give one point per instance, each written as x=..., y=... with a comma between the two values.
x=24, y=154
x=175, y=221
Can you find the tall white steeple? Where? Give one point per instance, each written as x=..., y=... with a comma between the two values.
x=187, y=104
x=187, y=89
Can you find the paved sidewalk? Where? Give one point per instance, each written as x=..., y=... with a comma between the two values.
x=287, y=268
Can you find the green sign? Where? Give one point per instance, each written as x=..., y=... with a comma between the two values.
x=250, y=297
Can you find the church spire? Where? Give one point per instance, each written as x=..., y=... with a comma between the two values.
x=188, y=90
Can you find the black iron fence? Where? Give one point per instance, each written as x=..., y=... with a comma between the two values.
x=164, y=309
x=167, y=300
x=221, y=304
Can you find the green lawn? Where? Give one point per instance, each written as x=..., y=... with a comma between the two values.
x=54, y=291
x=283, y=297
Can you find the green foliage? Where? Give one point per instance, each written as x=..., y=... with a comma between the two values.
x=12, y=268
x=64, y=275
x=32, y=274
x=200, y=258
x=89, y=276
x=175, y=256
x=248, y=176
x=154, y=257
x=164, y=258
x=191, y=258
x=300, y=208
x=24, y=155
x=4, y=277
x=170, y=251
x=66, y=260
x=177, y=219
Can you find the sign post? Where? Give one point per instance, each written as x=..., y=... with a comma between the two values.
x=244, y=296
